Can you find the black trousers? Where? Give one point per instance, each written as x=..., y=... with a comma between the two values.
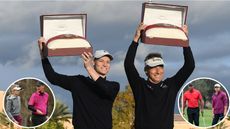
x=193, y=115
x=217, y=117
x=38, y=119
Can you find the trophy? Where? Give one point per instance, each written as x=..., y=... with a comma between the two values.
x=65, y=34
x=164, y=24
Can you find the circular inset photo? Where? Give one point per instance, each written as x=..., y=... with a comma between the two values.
x=203, y=102
x=29, y=102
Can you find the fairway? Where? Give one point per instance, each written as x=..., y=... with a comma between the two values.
x=204, y=121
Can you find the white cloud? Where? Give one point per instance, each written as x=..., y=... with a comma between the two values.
x=201, y=11
x=207, y=48
x=20, y=13
x=117, y=67
x=30, y=56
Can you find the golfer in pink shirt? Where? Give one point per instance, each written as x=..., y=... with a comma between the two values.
x=38, y=104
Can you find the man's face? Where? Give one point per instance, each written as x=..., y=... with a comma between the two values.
x=41, y=88
x=191, y=88
x=217, y=89
x=102, y=65
x=156, y=74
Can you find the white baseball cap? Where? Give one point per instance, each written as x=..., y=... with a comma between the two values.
x=155, y=61
x=101, y=53
x=16, y=87
x=217, y=85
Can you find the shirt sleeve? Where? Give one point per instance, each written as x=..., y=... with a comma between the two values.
x=225, y=99
x=47, y=105
x=200, y=96
x=31, y=103
x=55, y=78
x=8, y=108
x=130, y=69
x=31, y=107
x=184, y=99
x=189, y=65
x=213, y=102
x=108, y=88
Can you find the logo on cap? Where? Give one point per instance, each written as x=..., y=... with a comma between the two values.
x=101, y=53
x=155, y=61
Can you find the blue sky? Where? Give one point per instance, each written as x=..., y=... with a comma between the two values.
x=111, y=26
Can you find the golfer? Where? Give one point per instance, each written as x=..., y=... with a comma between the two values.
x=92, y=95
x=195, y=103
x=38, y=104
x=155, y=97
x=219, y=104
x=13, y=104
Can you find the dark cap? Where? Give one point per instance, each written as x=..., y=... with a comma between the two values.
x=190, y=85
x=38, y=84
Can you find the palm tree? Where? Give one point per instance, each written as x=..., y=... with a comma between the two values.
x=222, y=125
x=61, y=113
x=4, y=122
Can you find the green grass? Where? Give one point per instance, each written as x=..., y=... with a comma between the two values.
x=204, y=121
